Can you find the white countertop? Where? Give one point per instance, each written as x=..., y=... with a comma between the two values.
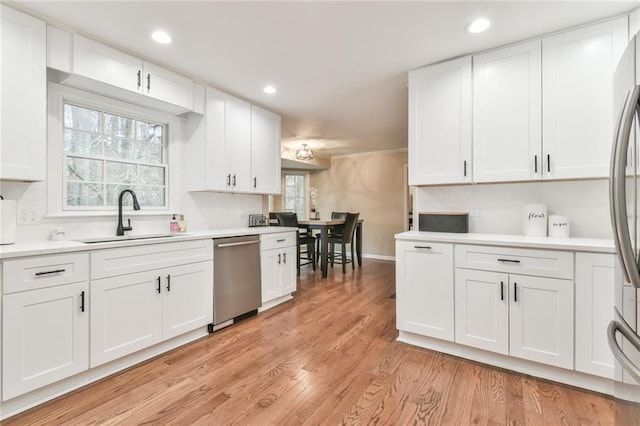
x=573, y=244
x=50, y=247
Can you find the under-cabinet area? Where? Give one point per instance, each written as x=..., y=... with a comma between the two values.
x=75, y=314
x=535, y=305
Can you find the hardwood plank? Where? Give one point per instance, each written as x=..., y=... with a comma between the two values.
x=328, y=356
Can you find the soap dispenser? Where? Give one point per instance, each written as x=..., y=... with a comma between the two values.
x=173, y=226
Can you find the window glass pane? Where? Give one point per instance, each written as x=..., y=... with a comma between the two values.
x=118, y=126
x=79, y=142
x=151, y=196
x=149, y=152
x=84, y=194
x=290, y=192
x=290, y=180
x=149, y=175
x=121, y=172
x=84, y=169
x=119, y=148
x=76, y=117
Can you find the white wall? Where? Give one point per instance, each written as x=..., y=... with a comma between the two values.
x=497, y=208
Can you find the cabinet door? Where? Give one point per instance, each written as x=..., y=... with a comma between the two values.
x=440, y=123
x=45, y=337
x=270, y=262
x=167, y=86
x=187, y=301
x=23, y=94
x=482, y=310
x=126, y=315
x=507, y=122
x=424, y=287
x=265, y=151
x=218, y=157
x=238, y=143
x=288, y=275
x=595, y=298
x=104, y=64
x=577, y=99
x=541, y=320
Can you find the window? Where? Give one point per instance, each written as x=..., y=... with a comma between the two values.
x=105, y=153
x=98, y=146
x=295, y=194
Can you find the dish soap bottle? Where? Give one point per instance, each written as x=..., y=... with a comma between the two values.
x=173, y=225
x=182, y=225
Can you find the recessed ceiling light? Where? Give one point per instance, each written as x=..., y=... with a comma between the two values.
x=478, y=26
x=161, y=37
x=269, y=89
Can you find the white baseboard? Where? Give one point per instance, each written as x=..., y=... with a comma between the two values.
x=378, y=257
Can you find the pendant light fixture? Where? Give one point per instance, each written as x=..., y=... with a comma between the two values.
x=304, y=153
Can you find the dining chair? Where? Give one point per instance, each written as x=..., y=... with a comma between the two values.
x=290, y=219
x=336, y=231
x=346, y=237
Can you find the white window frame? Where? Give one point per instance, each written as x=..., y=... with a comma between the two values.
x=307, y=205
x=57, y=96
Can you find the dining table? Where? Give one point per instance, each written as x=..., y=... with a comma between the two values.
x=324, y=226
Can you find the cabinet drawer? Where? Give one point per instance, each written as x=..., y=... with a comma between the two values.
x=30, y=273
x=272, y=241
x=545, y=263
x=129, y=260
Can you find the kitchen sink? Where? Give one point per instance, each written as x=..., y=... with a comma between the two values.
x=112, y=238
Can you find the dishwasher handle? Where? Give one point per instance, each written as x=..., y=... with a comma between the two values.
x=241, y=243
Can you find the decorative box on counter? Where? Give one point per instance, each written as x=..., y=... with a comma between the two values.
x=444, y=222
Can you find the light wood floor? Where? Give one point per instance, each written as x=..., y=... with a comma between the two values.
x=327, y=357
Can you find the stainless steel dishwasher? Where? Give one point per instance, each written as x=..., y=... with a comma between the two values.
x=236, y=279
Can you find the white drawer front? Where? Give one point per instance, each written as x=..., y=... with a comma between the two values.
x=30, y=273
x=129, y=260
x=544, y=263
x=272, y=241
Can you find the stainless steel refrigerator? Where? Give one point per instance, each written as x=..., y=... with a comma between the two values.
x=624, y=194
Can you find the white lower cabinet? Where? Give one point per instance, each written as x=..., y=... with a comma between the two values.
x=424, y=287
x=134, y=311
x=595, y=298
x=278, y=266
x=171, y=295
x=45, y=337
x=45, y=321
x=518, y=315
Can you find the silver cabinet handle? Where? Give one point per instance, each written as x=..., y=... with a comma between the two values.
x=617, y=187
x=623, y=327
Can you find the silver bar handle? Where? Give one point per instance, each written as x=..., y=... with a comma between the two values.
x=241, y=243
x=625, y=329
x=617, y=188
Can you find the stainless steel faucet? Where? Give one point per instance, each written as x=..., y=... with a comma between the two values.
x=136, y=206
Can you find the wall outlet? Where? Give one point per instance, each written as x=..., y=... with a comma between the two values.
x=29, y=216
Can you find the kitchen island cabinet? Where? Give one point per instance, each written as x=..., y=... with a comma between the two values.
x=278, y=268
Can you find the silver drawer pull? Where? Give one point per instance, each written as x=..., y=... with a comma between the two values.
x=509, y=260
x=423, y=247
x=57, y=271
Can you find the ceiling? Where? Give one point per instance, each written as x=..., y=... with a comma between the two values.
x=340, y=67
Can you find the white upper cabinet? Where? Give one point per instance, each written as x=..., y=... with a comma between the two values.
x=506, y=114
x=235, y=147
x=577, y=105
x=440, y=123
x=105, y=68
x=265, y=151
x=23, y=96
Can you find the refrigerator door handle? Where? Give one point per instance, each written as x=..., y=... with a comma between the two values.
x=619, y=324
x=617, y=188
